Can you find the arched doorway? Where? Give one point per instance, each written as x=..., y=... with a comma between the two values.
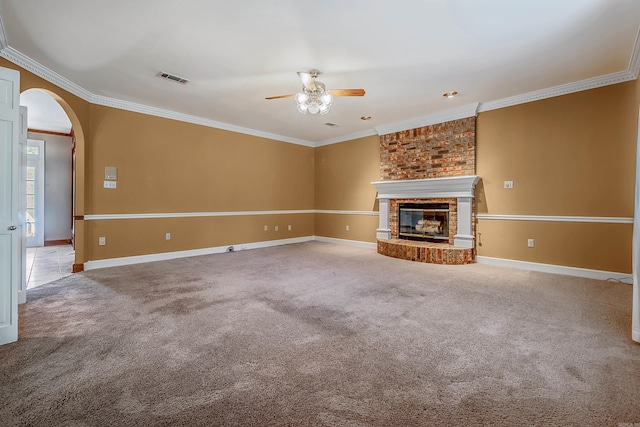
x=49, y=211
x=72, y=216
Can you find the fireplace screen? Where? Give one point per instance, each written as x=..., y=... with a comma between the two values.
x=425, y=221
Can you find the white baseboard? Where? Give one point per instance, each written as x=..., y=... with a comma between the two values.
x=556, y=269
x=523, y=265
x=355, y=243
x=635, y=335
x=139, y=259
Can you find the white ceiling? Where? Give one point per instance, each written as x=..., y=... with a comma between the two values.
x=404, y=53
x=44, y=112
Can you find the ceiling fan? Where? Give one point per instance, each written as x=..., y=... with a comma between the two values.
x=315, y=97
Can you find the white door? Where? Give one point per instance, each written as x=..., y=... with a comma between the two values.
x=9, y=209
x=35, y=193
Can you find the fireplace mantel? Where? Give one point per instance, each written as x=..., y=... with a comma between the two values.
x=460, y=187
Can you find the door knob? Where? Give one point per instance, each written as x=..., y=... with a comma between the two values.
x=11, y=228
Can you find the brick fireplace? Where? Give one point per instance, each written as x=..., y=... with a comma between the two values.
x=432, y=164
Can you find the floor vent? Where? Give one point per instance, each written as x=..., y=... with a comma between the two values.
x=173, y=77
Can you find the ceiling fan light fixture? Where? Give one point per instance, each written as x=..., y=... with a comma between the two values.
x=326, y=99
x=314, y=101
x=314, y=97
x=302, y=107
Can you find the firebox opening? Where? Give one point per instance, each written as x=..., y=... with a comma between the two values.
x=424, y=222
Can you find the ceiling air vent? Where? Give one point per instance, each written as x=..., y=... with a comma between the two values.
x=173, y=77
x=330, y=124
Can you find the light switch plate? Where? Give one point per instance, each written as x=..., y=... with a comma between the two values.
x=109, y=184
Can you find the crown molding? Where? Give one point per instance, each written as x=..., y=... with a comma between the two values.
x=350, y=137
x=168, y=114
x=51, y=76
x=40, y=70
x=606, y=80
x=469, y=110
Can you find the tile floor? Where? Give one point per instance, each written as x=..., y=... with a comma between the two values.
x=48, y=263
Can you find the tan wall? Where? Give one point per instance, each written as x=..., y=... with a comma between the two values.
x=167, y=166
x=569, y=155
x=596, y=246
x=171, y=166
x=130, y=237
x=637, y=82
x=343, y=176
x=572, y=155
x=362, y=228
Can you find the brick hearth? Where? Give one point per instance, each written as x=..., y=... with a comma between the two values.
x=433, y=253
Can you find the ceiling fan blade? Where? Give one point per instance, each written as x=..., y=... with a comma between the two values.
x=291, y=95
x=347, y=92
x=307, y=80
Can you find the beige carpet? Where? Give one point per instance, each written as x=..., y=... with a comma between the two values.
x=320, y=334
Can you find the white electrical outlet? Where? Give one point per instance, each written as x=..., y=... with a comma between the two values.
x=289, y=227
x=276, y=228
x=109, y=184
x=167, y=236
x=508, y=184
x=530, y=243
x=102, y=241
x=347, y=228
x=266, y=227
